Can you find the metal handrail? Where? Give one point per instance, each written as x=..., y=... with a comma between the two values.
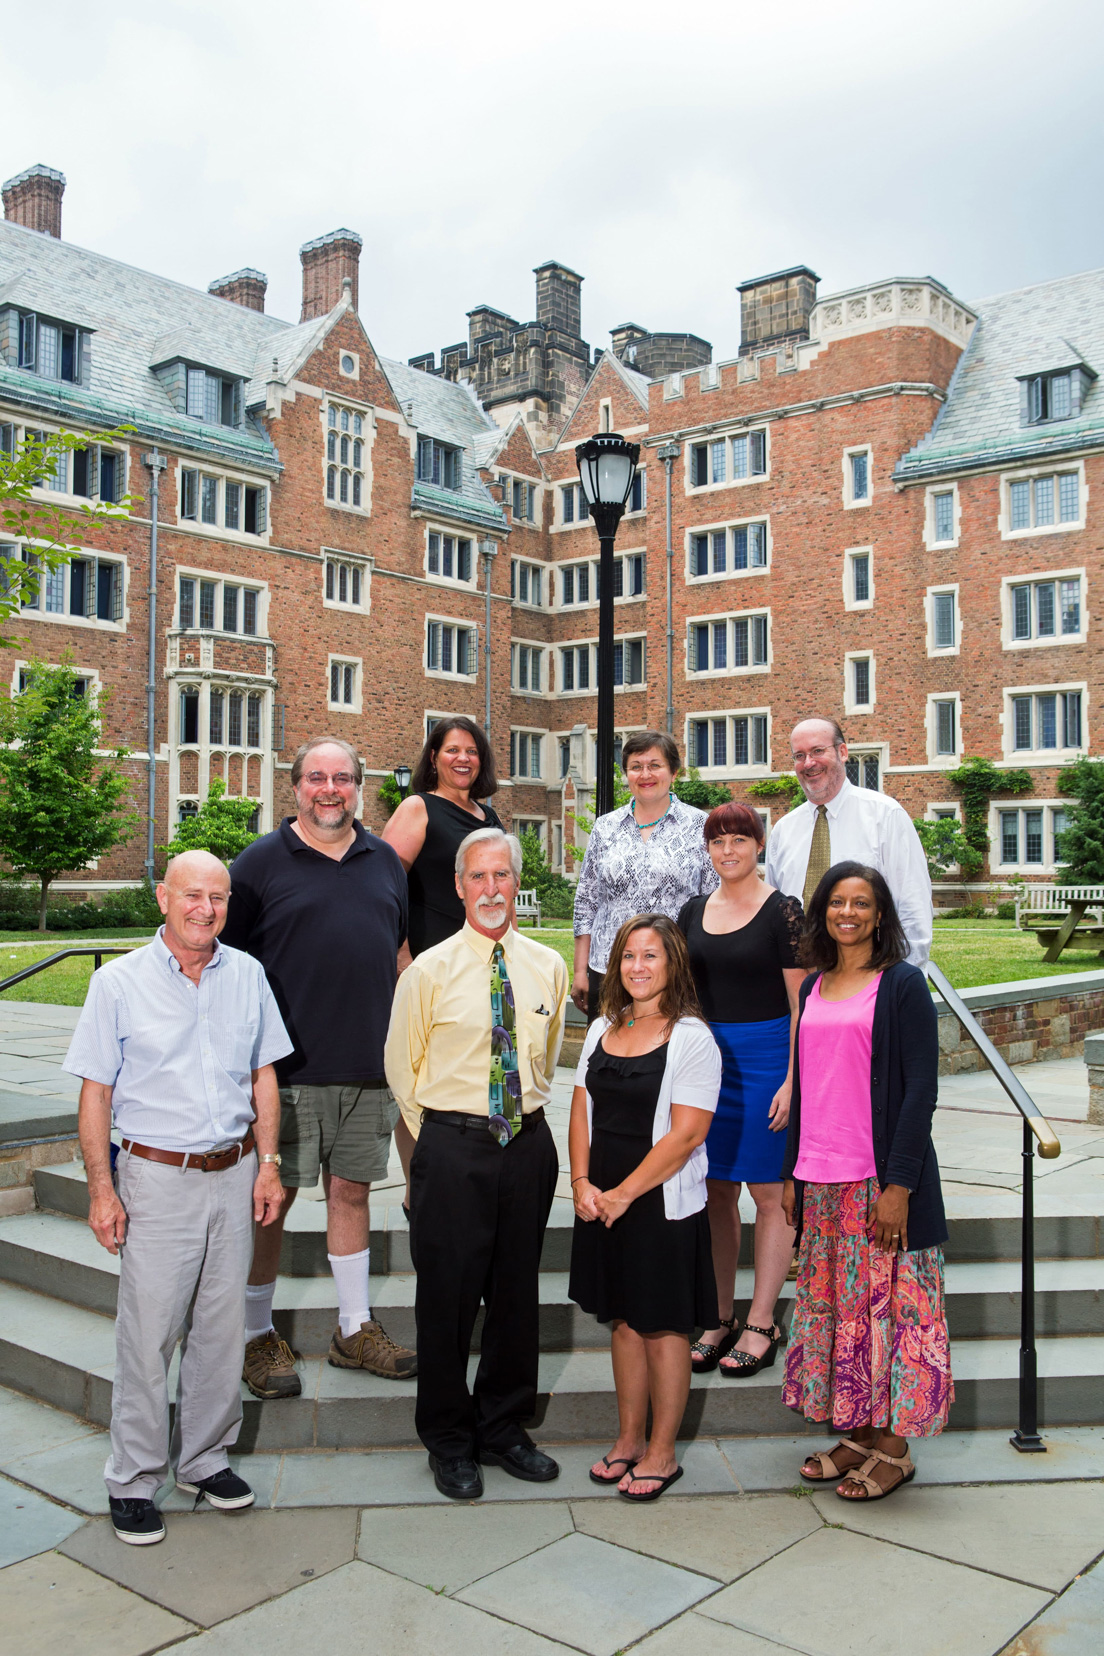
x=52, y=960
x=1035, y=1126
x=1049, y=1145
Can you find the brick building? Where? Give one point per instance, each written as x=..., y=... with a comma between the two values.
x=352, y=543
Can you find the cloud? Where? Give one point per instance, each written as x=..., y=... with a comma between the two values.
x=665, y=153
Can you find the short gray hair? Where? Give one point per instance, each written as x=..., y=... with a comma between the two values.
x=483, y=836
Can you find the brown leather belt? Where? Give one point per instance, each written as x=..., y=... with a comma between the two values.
x=454, y=1118
x=213, y=1161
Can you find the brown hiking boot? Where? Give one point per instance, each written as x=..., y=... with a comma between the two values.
x=371, y=1349
x=269, y=1369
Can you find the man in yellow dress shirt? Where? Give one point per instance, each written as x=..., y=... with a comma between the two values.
x=471, y=1052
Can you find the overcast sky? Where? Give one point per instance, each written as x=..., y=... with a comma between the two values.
x=666, y=152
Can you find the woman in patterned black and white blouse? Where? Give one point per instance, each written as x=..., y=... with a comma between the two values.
x=648, y=857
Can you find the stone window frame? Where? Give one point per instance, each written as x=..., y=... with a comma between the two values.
x=728, y=526
x=938, y=588
x=1001, y=807
x=1037, y=577
x=754, y=767
x=850, y=602
x=332, y=463
x=342, y=662
x=1026, y=474
x=727, y=436
x=459, y=624
x=693, y=675
x=220, y=579
x=937, y=760
x=850, y=503
x=1034, y=757
x=542, y=649
x=850, y=705
x=929, y=538
x=529, y=732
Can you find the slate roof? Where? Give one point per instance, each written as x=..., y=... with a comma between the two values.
x=1051, y=325
x=450, y=412
x=135, y=317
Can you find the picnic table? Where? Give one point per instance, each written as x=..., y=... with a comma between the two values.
x=1057, y=915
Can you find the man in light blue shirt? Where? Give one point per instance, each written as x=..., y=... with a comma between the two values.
x=176, y=1044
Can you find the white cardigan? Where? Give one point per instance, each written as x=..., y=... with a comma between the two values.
x=692, y=1076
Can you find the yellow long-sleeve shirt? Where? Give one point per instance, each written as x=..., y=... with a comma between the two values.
x=438, y=1051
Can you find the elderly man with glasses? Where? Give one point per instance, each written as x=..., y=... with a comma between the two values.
x=471, y=1053
x=322, y=904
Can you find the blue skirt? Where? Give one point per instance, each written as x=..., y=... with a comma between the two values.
x=755, y=1057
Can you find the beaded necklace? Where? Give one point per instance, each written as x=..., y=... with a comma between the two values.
x=658, y=819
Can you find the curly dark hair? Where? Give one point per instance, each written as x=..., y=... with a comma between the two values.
x=679, y=998
x=818, y=952
x=424, y=779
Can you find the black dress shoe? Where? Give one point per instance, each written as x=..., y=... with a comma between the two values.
x=457, y=1476
x=522, y=1460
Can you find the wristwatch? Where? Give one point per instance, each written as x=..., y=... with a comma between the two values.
x=277, y=1160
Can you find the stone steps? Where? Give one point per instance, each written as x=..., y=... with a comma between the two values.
x=63, y=1355
x=58, y=1256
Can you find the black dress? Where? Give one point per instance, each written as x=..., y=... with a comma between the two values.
x=652, y=1272
x=436, y=912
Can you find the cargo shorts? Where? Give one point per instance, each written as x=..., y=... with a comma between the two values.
x=346, y=1130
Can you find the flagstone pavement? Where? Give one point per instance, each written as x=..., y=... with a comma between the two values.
x=986, y=1553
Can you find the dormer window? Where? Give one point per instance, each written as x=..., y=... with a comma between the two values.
x=50, y=349
x=437, y=463
x=213, y=399
x=1054, y=395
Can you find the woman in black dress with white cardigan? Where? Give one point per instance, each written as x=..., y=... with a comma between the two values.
x=645, y=1091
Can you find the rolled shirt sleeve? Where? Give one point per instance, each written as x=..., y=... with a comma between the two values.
x=96, y=1050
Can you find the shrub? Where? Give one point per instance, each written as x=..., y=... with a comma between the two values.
x=556, y=895
x=134, y=907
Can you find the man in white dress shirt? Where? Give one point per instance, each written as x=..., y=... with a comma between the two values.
x=861, y=823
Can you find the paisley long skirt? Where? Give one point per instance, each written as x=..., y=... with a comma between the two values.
x=868, y=1341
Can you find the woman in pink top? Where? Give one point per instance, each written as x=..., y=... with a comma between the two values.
x=868, y=1344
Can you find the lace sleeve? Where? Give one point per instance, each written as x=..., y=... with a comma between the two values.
x=791, y=924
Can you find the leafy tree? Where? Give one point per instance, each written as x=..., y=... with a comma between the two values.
x=977, y=780
x=59, y=800
x=45, y=526
x=786, y=788
x=220, y=826
x=690, y=788
x=555, y=893
x=389, y=793
x=1082, y=849
x=945, y=844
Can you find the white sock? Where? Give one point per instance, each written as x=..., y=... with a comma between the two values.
x=258, y=1309
x=351, y=1276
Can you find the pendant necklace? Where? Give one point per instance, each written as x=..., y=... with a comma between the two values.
x=631, y=1021
x=656, y=821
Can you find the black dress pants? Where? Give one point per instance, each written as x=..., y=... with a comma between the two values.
x=479, y=1213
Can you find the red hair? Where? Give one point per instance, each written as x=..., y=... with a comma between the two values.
x=734, y=818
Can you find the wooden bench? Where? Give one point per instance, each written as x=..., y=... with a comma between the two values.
x=527, y=907
x=1057, y=915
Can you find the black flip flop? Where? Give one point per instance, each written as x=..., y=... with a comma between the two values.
x=649, y=1477
x=618, y=1460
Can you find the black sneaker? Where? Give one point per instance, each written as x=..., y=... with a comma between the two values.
x=136, y=1522
x=223, y=1489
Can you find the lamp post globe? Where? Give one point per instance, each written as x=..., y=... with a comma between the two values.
x=607, y=466
x=401, y=773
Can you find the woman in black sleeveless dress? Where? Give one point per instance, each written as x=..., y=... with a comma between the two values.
x=454, y=770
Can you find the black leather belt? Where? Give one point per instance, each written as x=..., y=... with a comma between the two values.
x=475, y=1123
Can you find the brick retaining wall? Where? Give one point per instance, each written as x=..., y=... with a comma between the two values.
x=1037, y=1018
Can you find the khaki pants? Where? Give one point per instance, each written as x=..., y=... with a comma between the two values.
x=182, y=1277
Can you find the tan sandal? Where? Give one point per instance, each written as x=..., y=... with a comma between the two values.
x=828, y=1467
x=874, y=1490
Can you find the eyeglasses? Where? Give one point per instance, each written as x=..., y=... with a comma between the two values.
x=801, y=758
x=339, y=779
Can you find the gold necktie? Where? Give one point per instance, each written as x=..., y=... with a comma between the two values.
x=820, y=856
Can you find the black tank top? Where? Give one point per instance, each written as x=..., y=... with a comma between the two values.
x=436, y=912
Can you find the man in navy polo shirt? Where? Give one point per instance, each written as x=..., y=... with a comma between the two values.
x=322, y=904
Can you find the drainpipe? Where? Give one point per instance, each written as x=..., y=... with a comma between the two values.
x=155, y=463
x=490, y=552
x=669, y=453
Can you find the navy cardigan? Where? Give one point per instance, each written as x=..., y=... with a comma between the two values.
x=904, y=1069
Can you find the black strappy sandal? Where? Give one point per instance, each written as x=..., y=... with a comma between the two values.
x=704, y=1357
x=743, y=1364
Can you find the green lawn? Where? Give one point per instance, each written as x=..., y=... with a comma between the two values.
x=969, y=951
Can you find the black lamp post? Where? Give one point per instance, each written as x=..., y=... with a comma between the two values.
x=607, y=466
x=401, y=773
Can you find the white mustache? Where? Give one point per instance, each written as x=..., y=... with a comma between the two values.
x=490, y=903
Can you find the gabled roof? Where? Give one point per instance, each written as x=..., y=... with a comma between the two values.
x=449, y=412
x=1039, y=329
x=134, y=316
x=636, y=383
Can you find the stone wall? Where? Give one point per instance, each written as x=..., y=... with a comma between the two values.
x=1038, y=1018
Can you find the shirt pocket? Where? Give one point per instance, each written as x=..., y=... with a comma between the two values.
x=532, y=1039
x=233, y=1045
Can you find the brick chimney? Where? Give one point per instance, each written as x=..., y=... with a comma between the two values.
x=327, y=262
x=244, y=287
x=559, y=298
x=776, y=308
x=33, y=199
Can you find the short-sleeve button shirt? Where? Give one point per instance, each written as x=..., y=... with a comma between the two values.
x=179, y=1056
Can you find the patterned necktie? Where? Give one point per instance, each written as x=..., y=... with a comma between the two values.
x=820, y=856
x=505, y=1088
